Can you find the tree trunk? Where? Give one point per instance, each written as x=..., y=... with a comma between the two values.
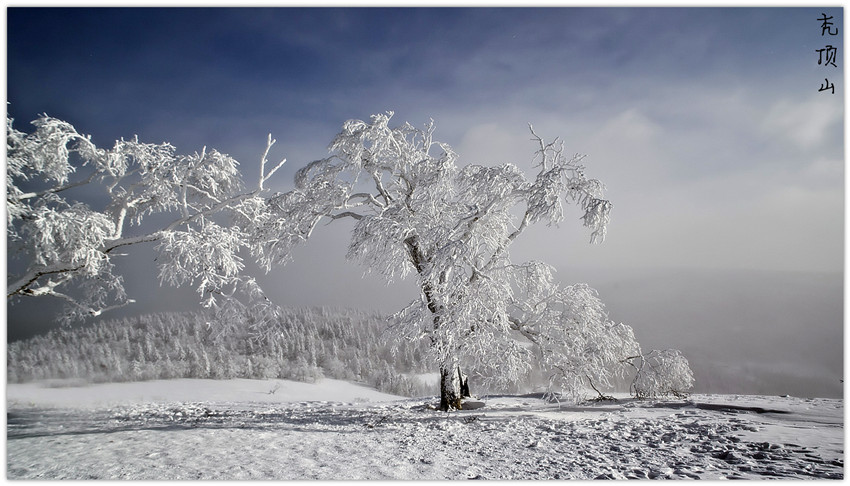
x=464, y=385
x=453, y=384
x=450, y=388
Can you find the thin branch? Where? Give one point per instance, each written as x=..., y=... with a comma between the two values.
x=21, y=286
x=263, y=175
x=511, y=237
x=519, y=326
x=202, y=191
x=54, y=190
x=210, y=210
x=344, y=214
x=86, y=309
x=184, y=188
x=271, y=172
x=383, y=192
x=111, y=187
x=263, y=161
x=369, y=197
x=132, y=241
x=97, y=312
x=544, y=147
x=601, y=395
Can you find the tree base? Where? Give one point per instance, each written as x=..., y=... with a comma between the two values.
x=453, y=387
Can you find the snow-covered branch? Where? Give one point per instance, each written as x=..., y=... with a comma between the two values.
x=65, y=245
x=265, y=176
x=346, y=214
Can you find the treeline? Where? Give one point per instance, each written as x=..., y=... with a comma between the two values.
x=304, y=345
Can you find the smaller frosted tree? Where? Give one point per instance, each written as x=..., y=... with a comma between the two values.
x=416, y=212
x=73, y=207
x=661, y=373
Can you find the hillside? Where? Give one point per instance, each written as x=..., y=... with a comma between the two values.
x=304, y=345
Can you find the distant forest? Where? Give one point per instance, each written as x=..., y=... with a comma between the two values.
x=304, y=345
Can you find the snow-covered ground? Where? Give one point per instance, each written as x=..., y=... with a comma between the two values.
x=277, y=429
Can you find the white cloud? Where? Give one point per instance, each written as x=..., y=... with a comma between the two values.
x=806, y=122
x=706, y=187
x=824, y=169
x=494, y=144
x=631, y=125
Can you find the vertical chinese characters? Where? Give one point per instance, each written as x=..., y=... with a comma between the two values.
x=828, y=55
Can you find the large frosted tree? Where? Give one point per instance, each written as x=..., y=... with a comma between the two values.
x=418, y=213
x=72, y=207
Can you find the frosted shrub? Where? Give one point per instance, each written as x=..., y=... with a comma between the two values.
x=662, y=373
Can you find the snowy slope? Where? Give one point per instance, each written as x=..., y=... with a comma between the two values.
x=56, y=393
x=238, y=429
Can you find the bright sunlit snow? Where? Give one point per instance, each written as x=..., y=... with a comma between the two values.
x=277, y=429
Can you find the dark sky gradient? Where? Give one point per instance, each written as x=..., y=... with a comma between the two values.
x=200, y=76
x=706, y=124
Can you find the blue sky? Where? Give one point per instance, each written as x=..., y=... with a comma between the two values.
x=681, y=111
x=706, y=124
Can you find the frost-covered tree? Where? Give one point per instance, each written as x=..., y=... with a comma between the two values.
x=418, y=213
x=72, y=207
x=664, y=372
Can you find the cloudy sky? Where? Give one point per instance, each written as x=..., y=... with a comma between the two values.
x=706, y=124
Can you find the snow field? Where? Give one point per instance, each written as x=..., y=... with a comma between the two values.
x=58, y=393
x=285, y=436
